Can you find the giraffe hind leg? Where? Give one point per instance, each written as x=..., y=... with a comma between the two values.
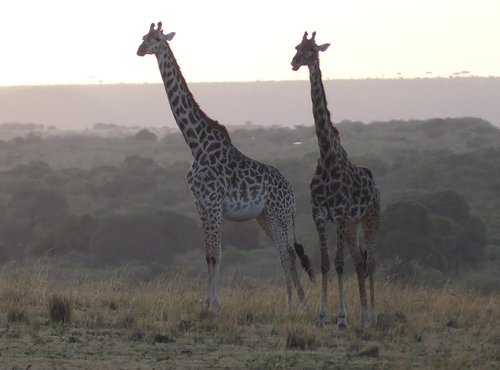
x=359, y=260
x=370, y=225
x=295, y=276
x=279, y=237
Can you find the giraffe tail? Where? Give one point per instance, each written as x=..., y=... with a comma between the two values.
x=299, y=249
x=304, y=260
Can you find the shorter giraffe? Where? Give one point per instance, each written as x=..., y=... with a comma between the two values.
x=341, y=192
x=224, y=182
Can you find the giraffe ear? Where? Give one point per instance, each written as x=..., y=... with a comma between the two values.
x=323, y=47
x=169, y=36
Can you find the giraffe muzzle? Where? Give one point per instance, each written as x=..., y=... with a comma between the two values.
x=141, y=51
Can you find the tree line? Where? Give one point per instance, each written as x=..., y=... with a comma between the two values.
x=106, y=201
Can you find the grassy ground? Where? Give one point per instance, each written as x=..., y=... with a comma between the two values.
x=69, y=319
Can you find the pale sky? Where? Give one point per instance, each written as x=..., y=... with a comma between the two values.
x=95, y=41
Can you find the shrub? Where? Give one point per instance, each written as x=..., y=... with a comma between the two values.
x=60, y=308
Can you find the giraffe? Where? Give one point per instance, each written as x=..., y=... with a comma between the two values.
x=224, y=182
x=342, y=193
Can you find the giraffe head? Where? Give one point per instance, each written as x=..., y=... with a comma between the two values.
x=154, y=40
x=307, y=52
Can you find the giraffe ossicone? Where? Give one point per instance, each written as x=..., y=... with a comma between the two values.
x=224, y=182
x=342, y=193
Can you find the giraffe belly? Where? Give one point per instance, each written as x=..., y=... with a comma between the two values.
x=236, y=210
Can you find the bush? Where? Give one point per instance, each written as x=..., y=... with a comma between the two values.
x=435, y=230
x=60, y=309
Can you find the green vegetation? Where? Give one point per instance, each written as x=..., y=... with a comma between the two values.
x=99, y=200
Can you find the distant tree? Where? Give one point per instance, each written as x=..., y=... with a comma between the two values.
x=105, y=126
x=434, y=128
x=28, y=140
x=137, y=165
x=135, y=175
x=74, y=233
x=241, y=235
x=147, y=237
x=121, y=185
x=34, y=169
x=13, y=239
x=19, y=126
x=30, y=211
x=447, y=203
x=405, y=231
x=32, y=205
x=145, y=135
x=434, y=229
x=155, y=236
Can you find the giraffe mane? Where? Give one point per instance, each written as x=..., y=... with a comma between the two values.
x=215, y=124
x=335, y=129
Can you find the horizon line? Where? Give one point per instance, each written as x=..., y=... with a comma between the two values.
x=399, y=78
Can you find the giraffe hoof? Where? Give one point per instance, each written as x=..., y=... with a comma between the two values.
x=321, y=322
x=342, y=326
x=321, y=319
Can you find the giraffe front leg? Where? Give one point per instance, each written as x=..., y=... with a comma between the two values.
x=216, y=225
x=210, y=272
x=208, y=257
x=210, y=278
x=212, y=223
x=325, y=268
x=339, y=267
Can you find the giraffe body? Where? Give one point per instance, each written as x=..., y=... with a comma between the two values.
x=246, y=187
x=223, y=181
x=243, y=200
x=342, y=193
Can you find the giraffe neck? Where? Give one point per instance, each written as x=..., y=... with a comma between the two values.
x=198, y=129
x=328, y=141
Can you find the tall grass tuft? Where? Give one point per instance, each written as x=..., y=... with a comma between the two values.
x=15, y=306
x=60, y=308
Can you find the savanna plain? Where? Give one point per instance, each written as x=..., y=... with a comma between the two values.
x=59, y=318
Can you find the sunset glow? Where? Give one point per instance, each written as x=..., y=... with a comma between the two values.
x=89, y=42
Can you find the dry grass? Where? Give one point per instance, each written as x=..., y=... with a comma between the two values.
x=117, y=321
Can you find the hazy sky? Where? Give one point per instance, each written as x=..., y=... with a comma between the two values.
x=94, y=41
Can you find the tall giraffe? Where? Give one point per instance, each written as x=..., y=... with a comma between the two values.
x=341, y=192
x=224, y=182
